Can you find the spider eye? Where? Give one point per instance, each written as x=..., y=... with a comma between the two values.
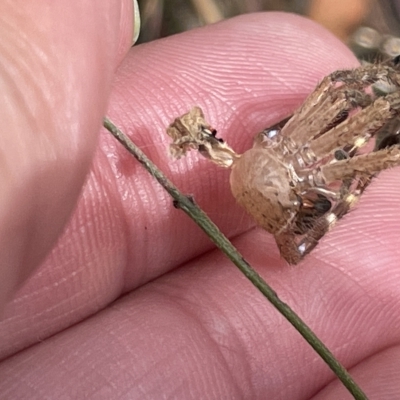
x=270, y=136
x=271, y=133
x=341, y=155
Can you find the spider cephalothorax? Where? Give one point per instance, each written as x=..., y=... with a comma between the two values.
x=306, y=172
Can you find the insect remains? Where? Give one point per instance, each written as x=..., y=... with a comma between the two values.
x=304, y=174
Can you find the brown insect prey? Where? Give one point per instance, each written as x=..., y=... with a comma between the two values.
x=305, y=173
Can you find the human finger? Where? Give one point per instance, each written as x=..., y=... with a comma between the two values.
x=57, y=65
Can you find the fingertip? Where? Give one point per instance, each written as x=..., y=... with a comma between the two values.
x=129, y=28
x=58, y=63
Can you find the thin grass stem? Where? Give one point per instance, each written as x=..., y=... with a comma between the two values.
x=187, y=204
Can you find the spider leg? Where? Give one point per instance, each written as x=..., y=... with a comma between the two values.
x=294, y=250
x=330, y=104
x=365, y=164
x=326, y=107
x=357, y=130
x=369, y=74
x=363, y=168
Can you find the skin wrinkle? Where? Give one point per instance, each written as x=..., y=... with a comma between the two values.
x=166, y=300
x=141, y=330
x=188, y=307
x=231, y=348
x=161, y=302
x=36, y=155
x=380, y=375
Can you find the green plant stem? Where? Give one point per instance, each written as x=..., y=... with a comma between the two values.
x=196, y=213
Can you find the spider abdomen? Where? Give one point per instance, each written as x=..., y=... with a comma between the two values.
x=260, y=183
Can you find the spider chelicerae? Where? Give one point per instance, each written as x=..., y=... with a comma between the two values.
x=305, y=173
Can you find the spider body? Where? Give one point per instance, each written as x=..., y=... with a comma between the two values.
x=261, y=182
x=304, y=174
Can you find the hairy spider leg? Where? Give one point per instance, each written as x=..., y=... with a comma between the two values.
x=294, y=251
x=357, y=130
x=357, y=79
x=329, y=106
x=326, y=107
x=362, y=168
x=365, y=164
x=369, y=74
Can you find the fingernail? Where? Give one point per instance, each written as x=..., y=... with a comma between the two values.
x=136, y=21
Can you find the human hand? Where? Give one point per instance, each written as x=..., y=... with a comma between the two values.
x=202, y=331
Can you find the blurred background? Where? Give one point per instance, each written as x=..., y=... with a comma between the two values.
x=371, y=28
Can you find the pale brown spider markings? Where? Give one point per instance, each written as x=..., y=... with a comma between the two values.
x=307, y=172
